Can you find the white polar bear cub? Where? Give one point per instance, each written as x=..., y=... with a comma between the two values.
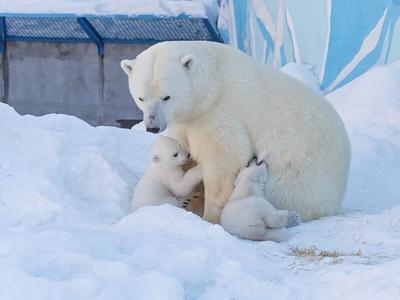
x=165, y=181
x=248, y=214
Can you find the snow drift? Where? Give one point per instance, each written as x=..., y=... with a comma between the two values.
x=67, y=233
x=195, y=8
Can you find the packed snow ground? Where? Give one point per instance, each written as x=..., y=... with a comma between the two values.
x=66, y=231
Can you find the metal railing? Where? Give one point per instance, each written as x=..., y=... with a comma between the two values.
x=101, y=29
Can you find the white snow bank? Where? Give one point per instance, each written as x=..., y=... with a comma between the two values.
x=304, y=73
x=66, y=231
x=57, y=168
x=370, y=108
x=197, y=8
x=139, y=126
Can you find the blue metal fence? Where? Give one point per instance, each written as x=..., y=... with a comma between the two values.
x=100, y=29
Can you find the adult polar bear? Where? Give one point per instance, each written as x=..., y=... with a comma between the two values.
x=225, y=107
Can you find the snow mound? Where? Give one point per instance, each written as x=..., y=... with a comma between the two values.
x=304, y=73
x=67, y=233
x=370, y=108
x=57, y=168
x=195, y=8
x=139, y=126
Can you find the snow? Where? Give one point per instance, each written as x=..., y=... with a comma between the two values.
x=66, y=231
x=196, y=8
x=304, y=73
x=370, y=108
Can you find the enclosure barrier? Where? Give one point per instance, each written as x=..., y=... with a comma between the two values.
x=48, y=62
x=71, y=28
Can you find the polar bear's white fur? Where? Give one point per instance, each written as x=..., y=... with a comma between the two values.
x=248, y=214
x=165, y=181
x=225, y=107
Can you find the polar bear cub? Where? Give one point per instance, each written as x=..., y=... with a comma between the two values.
x=248, y=214
x=165, y=180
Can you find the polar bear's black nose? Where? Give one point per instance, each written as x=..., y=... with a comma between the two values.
x=153, y=129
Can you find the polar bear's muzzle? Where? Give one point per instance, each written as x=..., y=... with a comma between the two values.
x=154, y=119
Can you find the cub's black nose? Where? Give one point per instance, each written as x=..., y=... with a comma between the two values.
x=153, y=130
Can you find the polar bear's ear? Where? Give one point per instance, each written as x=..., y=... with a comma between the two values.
x=187, y=62
x=156, y=158
x=127, y=65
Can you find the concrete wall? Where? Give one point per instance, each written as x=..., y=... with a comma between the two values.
x=2, y=76
x=42, y=78
x=118, y=102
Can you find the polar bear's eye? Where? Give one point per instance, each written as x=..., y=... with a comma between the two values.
x=141, y=99
x=166, y=98
x=176, y=154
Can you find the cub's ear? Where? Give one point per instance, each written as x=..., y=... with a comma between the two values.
x=156, y=158
x=127, y=65
x=188, y=62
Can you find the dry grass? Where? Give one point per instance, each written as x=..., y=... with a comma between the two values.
x=315, y=253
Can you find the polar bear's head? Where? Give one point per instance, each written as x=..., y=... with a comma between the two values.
x=169, y=82
x=166, y=153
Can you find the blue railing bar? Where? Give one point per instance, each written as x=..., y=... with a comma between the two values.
x=216, y=37
x=139, y=41
x=39, y=15
x=88, y=27
x=117, y=16
x=92, y=33
x=2, y=34
x=13, y=38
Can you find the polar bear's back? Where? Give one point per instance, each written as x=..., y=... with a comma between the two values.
x=305, y=144
x=296, y=130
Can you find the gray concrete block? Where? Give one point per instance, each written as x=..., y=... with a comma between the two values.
x=3, y=78
x=41, y=78
x=118, y=103
x=55, y=78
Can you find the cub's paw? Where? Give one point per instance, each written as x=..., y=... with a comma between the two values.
x=186, y=203
x=293, y=219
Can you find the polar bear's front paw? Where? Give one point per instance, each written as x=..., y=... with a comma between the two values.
x=185, y=203
x=294, y=219
x=252, y=161
x=259, y=163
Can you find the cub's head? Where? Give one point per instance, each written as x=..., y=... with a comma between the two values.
x=255, y=176
x=166, y=153
x=166, y=82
